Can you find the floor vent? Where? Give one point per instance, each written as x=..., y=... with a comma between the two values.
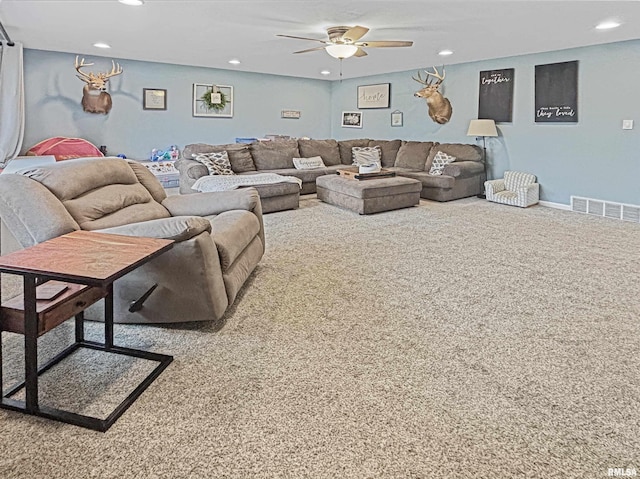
x=608, y=209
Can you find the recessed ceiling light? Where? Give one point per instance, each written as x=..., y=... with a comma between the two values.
x=325, y=72
x=101, y=45
x=607, y=25
x=234, y=61
x=133, y=3
x=444, y=53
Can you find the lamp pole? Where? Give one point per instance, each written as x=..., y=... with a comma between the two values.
x=483, y=195
x=482, y=128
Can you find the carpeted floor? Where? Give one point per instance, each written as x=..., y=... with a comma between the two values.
x=464, y=339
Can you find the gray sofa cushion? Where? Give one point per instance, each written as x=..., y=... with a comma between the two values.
x=239, y=154
x=413, y=154
x=99, y=193
x=345, y=149
x=462, y=152
x=430, y=181
x=327, y=149
x=270, y=155
x=389, y=150
x=232, y=233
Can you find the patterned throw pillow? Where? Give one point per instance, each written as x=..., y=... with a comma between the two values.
x=366, y=155
x=439, y=162
x=216, y=163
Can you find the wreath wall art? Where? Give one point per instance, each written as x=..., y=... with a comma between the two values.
x=212, y=100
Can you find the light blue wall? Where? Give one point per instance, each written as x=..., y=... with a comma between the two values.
x=53, y=95
x=593, y=158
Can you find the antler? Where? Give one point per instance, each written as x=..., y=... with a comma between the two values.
x=83, y=76
x=114, y=71
x=437, y=75
x=420, y=80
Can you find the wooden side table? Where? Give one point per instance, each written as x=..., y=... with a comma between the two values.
x=87, y=263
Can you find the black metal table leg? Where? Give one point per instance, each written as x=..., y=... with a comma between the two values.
x=30, y=343
x=80, y=327
x=108, y=317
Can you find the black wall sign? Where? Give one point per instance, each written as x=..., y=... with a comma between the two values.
x=496, y=95
x=557, y=93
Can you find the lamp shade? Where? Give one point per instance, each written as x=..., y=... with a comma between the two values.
x=341, y=51
x=482, y=128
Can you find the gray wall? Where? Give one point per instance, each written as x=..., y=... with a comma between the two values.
x=53, y=95
x=593, y=158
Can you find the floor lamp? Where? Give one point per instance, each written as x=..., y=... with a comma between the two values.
x=483, y=128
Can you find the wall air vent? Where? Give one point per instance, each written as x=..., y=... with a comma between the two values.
x=608, y=209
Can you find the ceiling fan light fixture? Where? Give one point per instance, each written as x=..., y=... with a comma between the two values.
x=341, y=51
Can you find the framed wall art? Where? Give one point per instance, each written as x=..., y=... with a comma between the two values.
x=556, y=93
x=351, y=119
x=154, y=99
x=496, y=95
x=396, y=118
x=211, y=100
x=374, y=96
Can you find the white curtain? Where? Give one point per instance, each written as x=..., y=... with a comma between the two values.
x=11, y=101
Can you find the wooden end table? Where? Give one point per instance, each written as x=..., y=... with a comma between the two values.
x=87, y=264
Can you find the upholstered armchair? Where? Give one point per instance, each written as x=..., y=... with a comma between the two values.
x=219, y=237
x=516, y=189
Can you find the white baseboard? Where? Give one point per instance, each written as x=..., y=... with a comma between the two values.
x=559, y=206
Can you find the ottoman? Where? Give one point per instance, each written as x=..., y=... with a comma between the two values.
x=369, y=196
x=278, y=196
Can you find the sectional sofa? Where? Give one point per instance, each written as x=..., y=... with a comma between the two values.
x=413, y=159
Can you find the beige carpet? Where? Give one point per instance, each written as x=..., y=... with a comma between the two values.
x=456, y=340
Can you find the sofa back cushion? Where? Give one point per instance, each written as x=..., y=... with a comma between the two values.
x=273, y=155
x=346, y=156
x=239, y=154
x=462, y=152
x=326, y=149
x=99, y=193
x=389, y=150
x=516, y=179
x=413, y=154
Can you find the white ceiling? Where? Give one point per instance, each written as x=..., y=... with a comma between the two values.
x=209, y=33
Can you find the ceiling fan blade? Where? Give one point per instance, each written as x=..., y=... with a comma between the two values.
x=303, y=38
x=310, y=50
x=360, y=53
x=382, y=44
x=354, y=34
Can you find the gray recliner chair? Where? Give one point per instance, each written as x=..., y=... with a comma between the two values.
x=219, y=237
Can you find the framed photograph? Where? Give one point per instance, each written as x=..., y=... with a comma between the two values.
x=396, y=118
x=351, y=119
x=295, y=114
x=374, y=96
x=154, y=99
x=211, y=100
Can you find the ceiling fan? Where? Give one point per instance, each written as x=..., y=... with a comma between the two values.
x=343, y=42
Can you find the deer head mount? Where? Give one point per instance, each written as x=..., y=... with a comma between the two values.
x=95, y=98
x=439, y=107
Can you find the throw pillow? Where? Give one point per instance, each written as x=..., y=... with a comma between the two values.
x=366, y=155
x=216, y=163
x=439, y=162
x=308, y=163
